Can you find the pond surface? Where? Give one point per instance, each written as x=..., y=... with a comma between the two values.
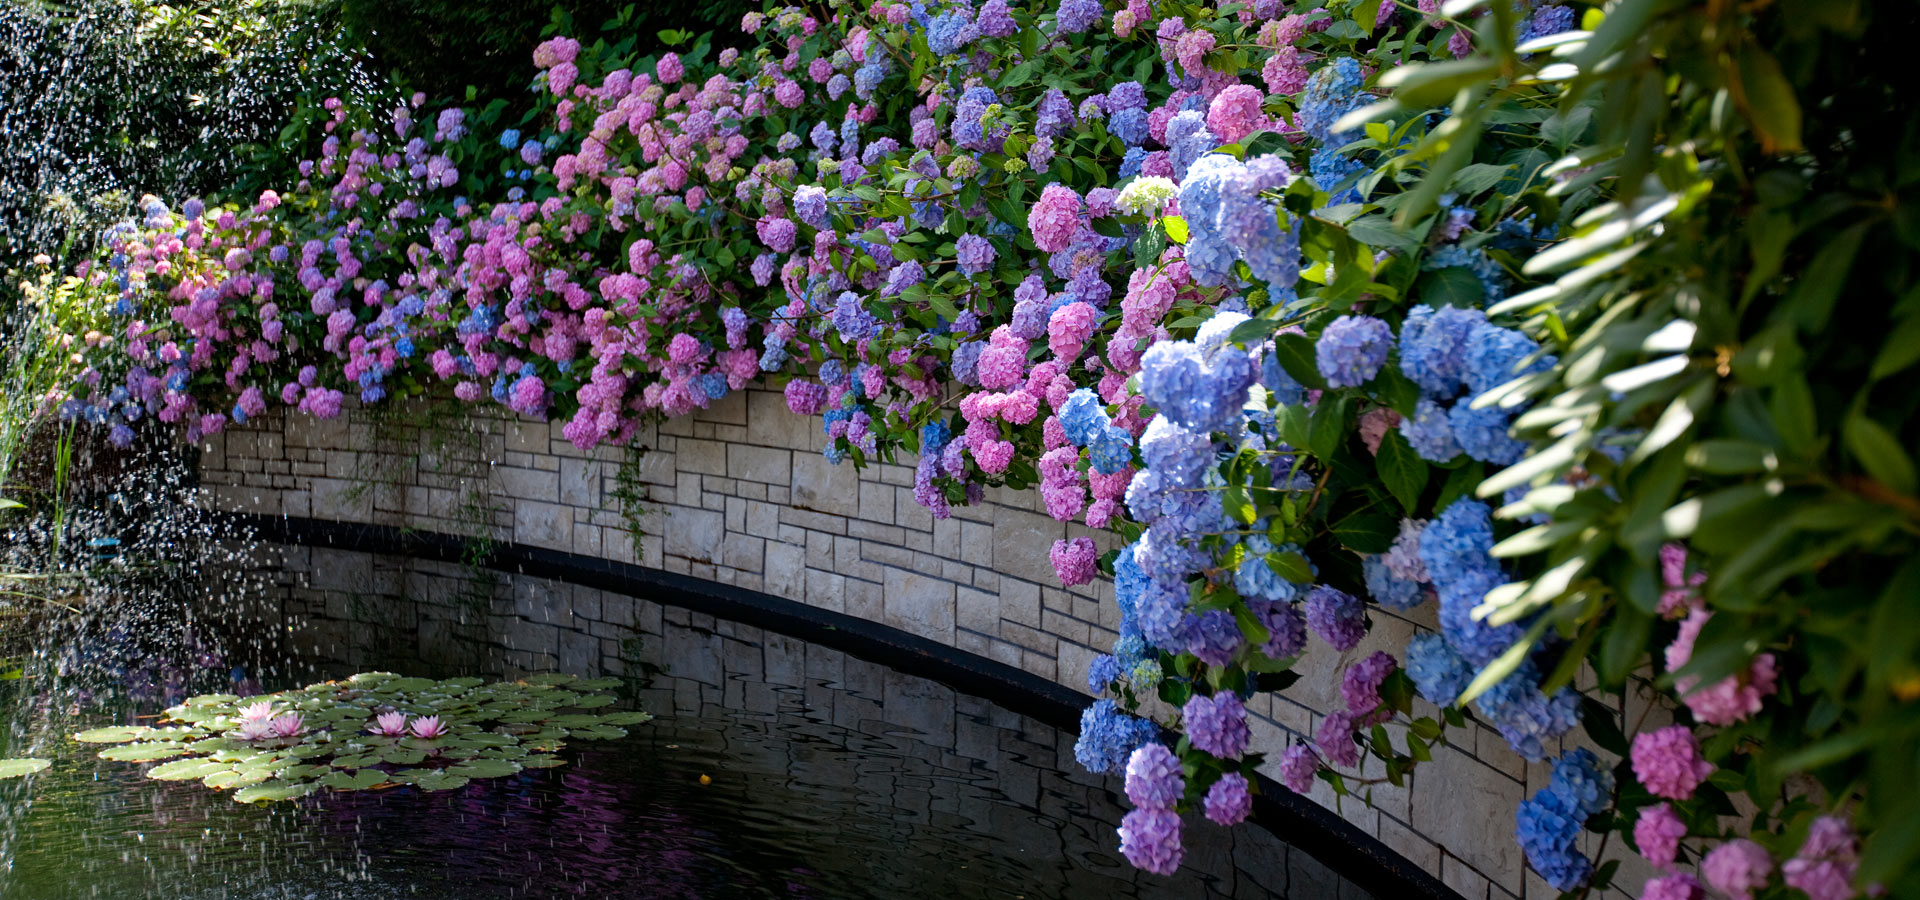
x=828, y=776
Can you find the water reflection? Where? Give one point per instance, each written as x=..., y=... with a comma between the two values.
x=831, y=776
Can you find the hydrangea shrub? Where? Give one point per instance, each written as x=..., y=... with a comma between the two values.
x=1179, y=268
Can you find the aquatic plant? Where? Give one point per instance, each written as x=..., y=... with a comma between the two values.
x=350, y=735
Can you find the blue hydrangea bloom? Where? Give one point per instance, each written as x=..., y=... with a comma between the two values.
x=1430, y=433
x=1352, y=349
x=1438, y=673
x=1433, y=347
x=1112, y=450
x=1482, y=434
x=1549, y=832
x=1108, y=736
x=1388, y=591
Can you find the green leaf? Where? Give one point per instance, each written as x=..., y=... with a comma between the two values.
x=1451, y=286
x=1403, y=471
x=1769, y=101
x=1365, y=531
x=1291, y=566
x=186, y=770
x=113, y=734
x=1422, y=85
x=270, y=791
x=1879, y=452
x=21, y=766
x=1476, y=178
x=365, y=779
x=1296, y=355
x=1176, y=228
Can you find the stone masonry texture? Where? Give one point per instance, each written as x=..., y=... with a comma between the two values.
x=740, y=494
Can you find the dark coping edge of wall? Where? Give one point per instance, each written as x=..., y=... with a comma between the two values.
x=1357, y=856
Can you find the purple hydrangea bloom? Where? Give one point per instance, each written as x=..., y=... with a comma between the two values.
x=1150, y=839
x=1297, y=767
x=1228, y=802
x=1336, y=617
x=1154, y=779
x=1217, y=725
x=976, y=254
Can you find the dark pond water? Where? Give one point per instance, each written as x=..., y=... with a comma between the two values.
x=831, y=777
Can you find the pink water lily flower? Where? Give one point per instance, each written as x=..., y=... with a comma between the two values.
x=428, y=728
x=289, y=725
x=390, y=724
x=261, y=711
x=254, y=730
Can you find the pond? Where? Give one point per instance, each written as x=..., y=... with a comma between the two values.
x=775, y=767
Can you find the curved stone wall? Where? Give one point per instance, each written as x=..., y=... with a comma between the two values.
x=740, y=494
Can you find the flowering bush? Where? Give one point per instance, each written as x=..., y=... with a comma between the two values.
x=1231, y=308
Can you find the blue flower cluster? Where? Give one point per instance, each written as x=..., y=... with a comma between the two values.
x=1454, y=548
x=1108, y=736
x=1228, y=215
x=1446, y=351
x=1548, y=824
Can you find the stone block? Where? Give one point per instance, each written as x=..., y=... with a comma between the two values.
x=759, y=464
x=704, y=457
x=920, y=604
x=771, y=424
x=580, y=482
x=824, y=487
x=694, y=533
x=786, y=570
x=1020, y=544
x=1454, y=798
x=543, y=525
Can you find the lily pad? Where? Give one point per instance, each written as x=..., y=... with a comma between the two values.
x=186, y=770
x=15, y=768
x=408, y=684
x=112, y=734
x=145, y=751
x=440, y=781
x=492, y=730
x=364, y=779
x=402, y=756
x=230, y=778
x=274, y=790
x=485, y=768
x=600, y=733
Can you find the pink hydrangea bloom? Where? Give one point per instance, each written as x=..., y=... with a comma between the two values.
x=1374, y=425
x=1054, y=218
x=1673, y=887
x=1657, y=833
x=670, y=68
x=1667, y=761
x=1825, y=865
x=993, y=457
x=1737, y=868
x=1731, y=699
x=1069, y=328
x=1075, y=561
x=1235, y=113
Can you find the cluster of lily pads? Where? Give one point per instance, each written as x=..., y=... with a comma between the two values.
x=373, y=730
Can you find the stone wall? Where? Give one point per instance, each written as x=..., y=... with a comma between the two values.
x=740, y=494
